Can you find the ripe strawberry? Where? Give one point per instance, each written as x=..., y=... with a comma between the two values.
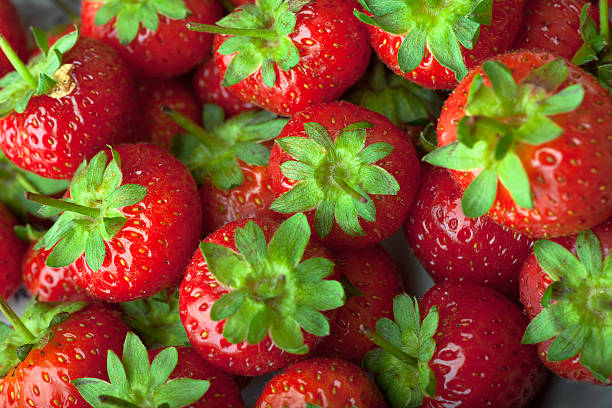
x=152, y=35
x=60, y=113
x=371, y=280
x=12, y=250
x=63, y=342
x=126, y=241
x=157, y=128
x=10, y=29
x=249, y=303
x=294, y=54
x=435, y=43
x=451, y=246
x=465, y=352
x=568, y=299
x=324, y=383
x=339, y=162
x=207, y=83
x=551, y=149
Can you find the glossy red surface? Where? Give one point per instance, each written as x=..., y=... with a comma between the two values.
x=10, y=28
x=11, y=252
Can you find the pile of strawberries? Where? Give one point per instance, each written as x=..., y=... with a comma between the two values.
x=195, y=193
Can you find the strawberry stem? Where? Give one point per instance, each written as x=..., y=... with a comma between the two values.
x=387, y=346
x=604, y=23
x=116, y=402
x=16, y=62
x=63, y=205
x=243, y=32
x=191, y=127
x=18, y=325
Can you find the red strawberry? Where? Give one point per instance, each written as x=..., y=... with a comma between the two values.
x=340, y=162
x=156, y=127
x=297, y=53
x=451, y=246
x=435, y=44
x=207, y=82
x=152, y=35
x=126, y=241
x=66, y=343
x=12, y=250
x=324, y=383
x=10, y=29
x=465, y=352
x=249, y=303
x=371, y=280
x=242, y=2
x=81, y=106
x=551, y=151
x=568, y=299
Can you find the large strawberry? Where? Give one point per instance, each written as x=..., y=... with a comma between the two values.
x=73, y=99
x=286, y=55
x=321, y=383
x=529, y=142
x=10, y=29
x=341, y=162
x=12, y=250
x=465, y=351
x=252, y=298
x=129, y=227
x=451, y=246
x=56, y=344
x=152, y=35
x=434, y=43
x=566, y=288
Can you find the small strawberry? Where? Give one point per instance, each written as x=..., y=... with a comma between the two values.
x=65, y=105
x=566, y=288
x=341, y=162
x=12, y=250
x=252, y=297
x=129, y=226
x=287, y=55
x=434, y=43
x=465, y=351
x=321, y=383
x=152, y=35
x=10, y=29
x=451, y=246
x=527, y=137
x=371, y=280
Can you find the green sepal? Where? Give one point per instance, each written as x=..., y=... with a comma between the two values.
x=593, y=43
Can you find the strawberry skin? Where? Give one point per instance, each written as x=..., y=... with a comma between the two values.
x=10, y=28
x=11, y=252
x=53, y=136
x=451, y=246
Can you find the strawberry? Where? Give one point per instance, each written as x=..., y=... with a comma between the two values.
x=465, y=352
x=10, y=29
x=12, y=250
x=62, y=342
x=371, y=280
x=207, y=83
x=287, y=55
x=59, y=110
x=323, y=383
x=435, y=43
x=451, y=246
x=565, y=288
x=152, y=35
x=252, y=297
x=340, y=162
x=129, y=228
x=527, y=137
x=157, y=128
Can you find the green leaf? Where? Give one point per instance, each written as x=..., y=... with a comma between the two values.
x=480, y=195
x=543, y=327
x=260, y=323
x=319, y=135
x=236, y=326
x=568, y=100
x=243, y=65
x=513, y=176
x=323, y=295
x=227, y=305
x=375, y=152
x=589, y=252
x=147, y=15
x=467, y=32
x=549, y=76
x=482, y=12
x=405, y=313
x=324, y=216
x=68, y=249
x=351, y=141
x=268, y=75
x=503, y=83
x=302, y=149
x=225, y=172
x=174, y=9
x=107, y=12
x=346, y=216
x=389, y=331
x=91, y=388
x=411, y=51
x=251, y=243
x=95, y=250
x=597, y=354
x=126, y=195
x=42, y=42
x=445, y=48
x=313, y=270
x=568, y=343
x=376, y=180
x=163, y=365
x=312, y=321
x=457, y=156
x=95, y=170
x=287, y=335
x=116, y=372
x=289, y=242
x=537, y=130
x=135, y=359
x=181, y=392
x=557, y=261
x=303, y=197
x=252, y=153
x=127, y=23
x=295, y=170
x=223, y=263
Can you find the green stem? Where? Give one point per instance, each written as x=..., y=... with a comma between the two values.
x=604, y=23
x=243, y=32
x=348, y=189
x=16, y=62
x=387, y=346
x=63, y=205
x=18, y=325
x=190, y=126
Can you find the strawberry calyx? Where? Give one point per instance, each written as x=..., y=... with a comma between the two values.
x=260, y=38
x=137, y=383
x=92, y=214
x=272, y=292
x=577, y=305
x=498, y=119
x=335, y=177
x=440, y=26
x=130, y=14
x=215, y=149
x=45, y=74
x=406, y=346
x=31, y=330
